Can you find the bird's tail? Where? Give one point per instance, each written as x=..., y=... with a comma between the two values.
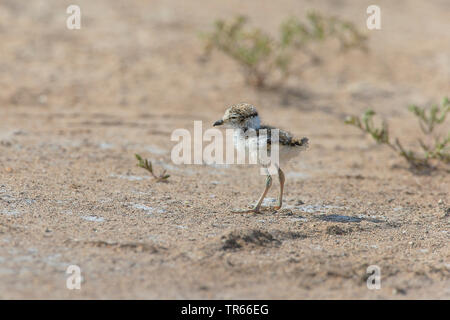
x=303, y=143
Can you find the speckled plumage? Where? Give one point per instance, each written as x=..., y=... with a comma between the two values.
x=285, y=138
x=244, y=116
x=288, y=146
x=244, y=110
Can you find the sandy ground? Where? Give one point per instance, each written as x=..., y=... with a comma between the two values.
x=77, y=105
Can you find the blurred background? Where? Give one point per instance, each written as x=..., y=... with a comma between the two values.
x=77, y=105
x=146, y=54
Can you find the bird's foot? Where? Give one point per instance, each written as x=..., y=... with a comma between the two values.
x=257, y=210
x=250, y=210
x=273, y=208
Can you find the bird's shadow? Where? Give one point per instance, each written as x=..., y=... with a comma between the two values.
x=345, y=219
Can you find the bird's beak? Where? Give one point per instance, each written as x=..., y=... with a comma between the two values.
x=218, y=123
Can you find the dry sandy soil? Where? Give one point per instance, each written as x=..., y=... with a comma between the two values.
x=77, y=105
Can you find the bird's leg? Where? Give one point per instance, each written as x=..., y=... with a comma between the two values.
x=263, y=195
x=280, y=198
x=281, y=178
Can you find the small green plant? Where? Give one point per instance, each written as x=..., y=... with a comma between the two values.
x=319, y=28
x=261, y=56
x=147, y=165
x=428, y=120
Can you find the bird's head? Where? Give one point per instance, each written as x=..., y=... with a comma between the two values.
x=240, y=116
